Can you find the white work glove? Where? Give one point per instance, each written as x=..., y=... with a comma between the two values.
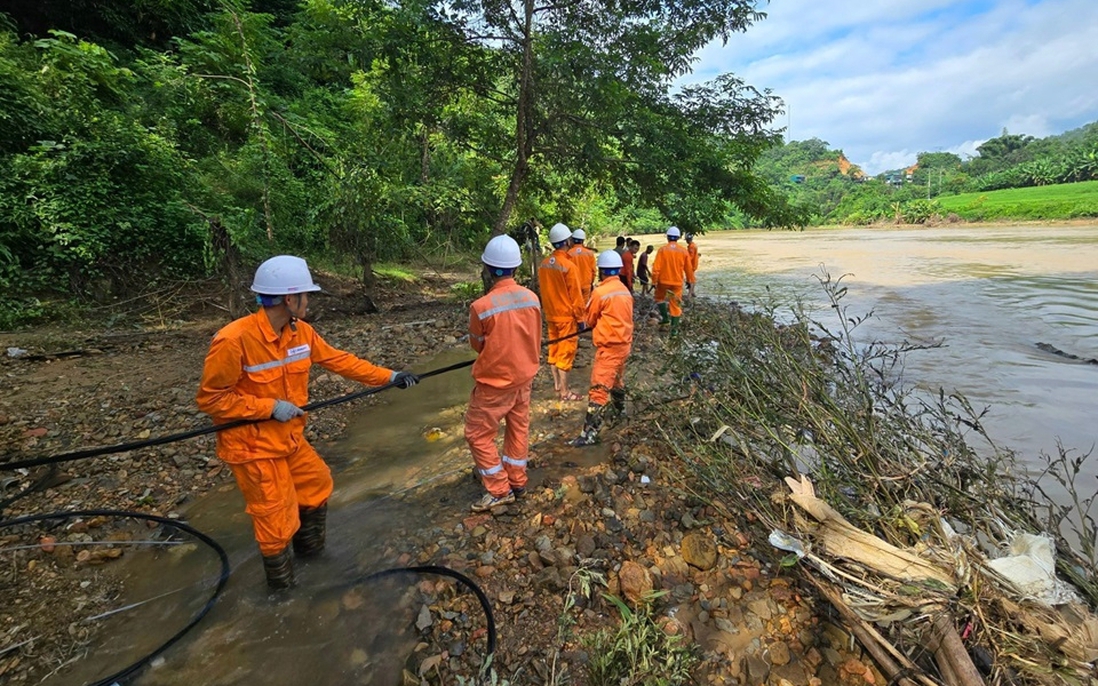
x=284, y=411
x=404, y=379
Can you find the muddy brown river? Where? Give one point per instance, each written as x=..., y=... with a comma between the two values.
x=988, y=294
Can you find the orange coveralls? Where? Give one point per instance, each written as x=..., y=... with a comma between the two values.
x=692, y=248
x=562, y=299
x=671, y=267
x=585, y=258
x=610, y=314
x=248, y=368
x=505, y=328
x=627, y=269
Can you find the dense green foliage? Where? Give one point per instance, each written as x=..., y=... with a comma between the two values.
x=169, y=139
x=822, y=182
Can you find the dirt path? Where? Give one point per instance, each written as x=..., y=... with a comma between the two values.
x=615, y=519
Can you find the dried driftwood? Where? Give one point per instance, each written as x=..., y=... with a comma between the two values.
x=839, y=538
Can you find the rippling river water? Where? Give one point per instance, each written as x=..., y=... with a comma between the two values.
x=989, y=294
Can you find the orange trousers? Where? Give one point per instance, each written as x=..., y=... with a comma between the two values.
x=563, y=354
x=608, y=372
x=675, y=304
x=275, y=489
x=488, y=406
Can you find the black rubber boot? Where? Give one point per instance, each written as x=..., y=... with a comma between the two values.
x=309, y=539
x=617, y=400
x=591, y=424
x=279, y=569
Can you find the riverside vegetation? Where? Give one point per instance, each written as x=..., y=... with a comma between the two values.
x=644, y=568
x=149, y=144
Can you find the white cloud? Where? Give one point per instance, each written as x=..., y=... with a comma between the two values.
x=887, y=79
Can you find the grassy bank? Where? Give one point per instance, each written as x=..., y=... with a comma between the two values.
x=1063, y=201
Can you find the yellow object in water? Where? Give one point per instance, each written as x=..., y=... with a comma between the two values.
x=434, y=434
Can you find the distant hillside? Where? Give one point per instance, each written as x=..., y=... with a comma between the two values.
x=823, y=182
x=811, y=174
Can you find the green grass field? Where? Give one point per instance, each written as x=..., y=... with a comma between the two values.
x=1062, y=201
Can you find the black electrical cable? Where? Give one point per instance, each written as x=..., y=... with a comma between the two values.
x=223, y=578
x=195, y=433
x=485, y=604
x=214, y=545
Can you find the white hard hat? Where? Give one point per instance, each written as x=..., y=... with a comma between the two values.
x=609, y=259
x=559, y=233
x=502, y=252
x=579, y=235
x=283, y=275
x=674, y=232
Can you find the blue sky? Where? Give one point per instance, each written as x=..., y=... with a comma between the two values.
x=886, y=79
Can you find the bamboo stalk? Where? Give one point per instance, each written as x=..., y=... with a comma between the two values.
x=892, y=662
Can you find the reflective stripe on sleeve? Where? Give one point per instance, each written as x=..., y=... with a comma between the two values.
x=277, y=363
x=515, y=306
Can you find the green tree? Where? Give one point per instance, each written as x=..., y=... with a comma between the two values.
x=572, y=69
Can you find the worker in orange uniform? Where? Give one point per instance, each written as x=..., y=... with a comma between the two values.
x=610, y=315
x=670, y=269
x=505, y=328
x=627, y=257
x=258, y=368
x=562, y=301
x=692, y=248
x=584, y=258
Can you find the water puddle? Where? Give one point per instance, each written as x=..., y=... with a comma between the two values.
x=331, y=629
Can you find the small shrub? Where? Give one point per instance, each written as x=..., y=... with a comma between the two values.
x=466, y=291
x=637, y=653
x=17, y=313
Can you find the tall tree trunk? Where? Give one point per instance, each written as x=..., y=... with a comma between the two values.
x=369, y=281
x=525, y=131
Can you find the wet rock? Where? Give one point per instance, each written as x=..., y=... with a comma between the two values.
x=424, y=620
x=756, y=668
x=761, y=608
x=699, y=551
x=778, y=653
x=634, y=580
x=534, y=560
x=549, y=579
x=576, y=657
x=688, y=521
x=585, y=546
x=792, y=673
x=543, y=544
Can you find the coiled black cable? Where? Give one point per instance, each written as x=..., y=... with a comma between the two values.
x=222, y=578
